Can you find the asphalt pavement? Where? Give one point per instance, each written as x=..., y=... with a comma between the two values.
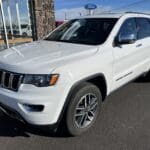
x=124, y=124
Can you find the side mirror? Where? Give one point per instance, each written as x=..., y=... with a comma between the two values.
x=125, y=39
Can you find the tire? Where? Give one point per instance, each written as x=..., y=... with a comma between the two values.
x=85, y=94
x=24, y=34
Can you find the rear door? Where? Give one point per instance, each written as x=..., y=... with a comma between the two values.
x=143, y=41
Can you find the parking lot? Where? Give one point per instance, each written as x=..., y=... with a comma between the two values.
x=124, y=124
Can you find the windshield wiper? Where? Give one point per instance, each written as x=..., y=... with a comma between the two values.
x=72, y=41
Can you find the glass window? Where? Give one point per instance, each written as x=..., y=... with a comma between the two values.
x=92, y=31
x=17, y=23
x=143, y=27
x=2, y=33
x=128, y=28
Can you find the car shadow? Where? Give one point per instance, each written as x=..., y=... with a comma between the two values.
x=143, y=79
x=14, y=128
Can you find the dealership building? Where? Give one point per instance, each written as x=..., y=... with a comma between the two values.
x=23, y=21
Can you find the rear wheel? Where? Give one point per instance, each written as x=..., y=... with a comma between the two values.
x=24, y=34
x=83, y=109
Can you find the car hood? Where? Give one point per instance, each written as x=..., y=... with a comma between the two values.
x=42, y=56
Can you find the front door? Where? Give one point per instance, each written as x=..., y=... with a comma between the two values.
x=127, y=56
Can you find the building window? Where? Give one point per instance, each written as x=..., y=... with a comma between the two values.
x=15, y=23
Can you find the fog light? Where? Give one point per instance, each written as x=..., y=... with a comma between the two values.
x=33, y=108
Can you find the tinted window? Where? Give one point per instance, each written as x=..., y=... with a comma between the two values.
x=84, y=31
x=143, y=28
x=128, y=28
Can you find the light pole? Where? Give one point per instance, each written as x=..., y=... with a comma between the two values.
x=10, y=19
x=28, y=13
x=18, y=17
x=4, y=23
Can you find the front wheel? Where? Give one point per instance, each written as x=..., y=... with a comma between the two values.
x=83, y=109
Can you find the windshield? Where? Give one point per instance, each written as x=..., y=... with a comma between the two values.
x=91, y=31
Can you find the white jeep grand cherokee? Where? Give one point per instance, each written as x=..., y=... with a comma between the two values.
x=65, y=77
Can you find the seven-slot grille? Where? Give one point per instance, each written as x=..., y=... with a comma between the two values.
x=10, y=80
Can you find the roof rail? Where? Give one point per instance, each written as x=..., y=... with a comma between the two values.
x=134, y=12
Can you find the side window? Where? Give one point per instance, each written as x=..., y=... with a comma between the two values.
x=128, y=28
x=143, y=28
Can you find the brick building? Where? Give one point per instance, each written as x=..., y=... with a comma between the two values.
x=44, y=16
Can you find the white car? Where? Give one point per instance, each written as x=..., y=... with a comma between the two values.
x=26, y=30
x=64, y=78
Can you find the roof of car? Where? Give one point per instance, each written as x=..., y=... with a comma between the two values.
x=115, y=15
x=104, y=15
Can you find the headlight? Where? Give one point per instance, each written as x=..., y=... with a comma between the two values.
x=41, y=80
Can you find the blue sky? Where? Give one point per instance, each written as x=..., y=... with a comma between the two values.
x=73, y=7
x=59, y=4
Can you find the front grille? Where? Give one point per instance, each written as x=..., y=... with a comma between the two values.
x=10, y=80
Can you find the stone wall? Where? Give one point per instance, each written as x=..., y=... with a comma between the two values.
x=44, y=17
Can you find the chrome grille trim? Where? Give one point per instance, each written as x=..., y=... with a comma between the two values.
x=20, y=80
x=3, y=79
x=10, y=80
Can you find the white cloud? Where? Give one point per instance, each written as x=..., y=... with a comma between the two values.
x=76, y=12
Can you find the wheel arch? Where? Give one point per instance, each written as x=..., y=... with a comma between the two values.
x=97, y=79
x=91, y=79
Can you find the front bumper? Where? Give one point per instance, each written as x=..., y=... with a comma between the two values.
x=15, y=115
x=52, y=98
x=11, y=113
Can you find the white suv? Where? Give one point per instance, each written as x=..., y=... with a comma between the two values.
x=66, y=76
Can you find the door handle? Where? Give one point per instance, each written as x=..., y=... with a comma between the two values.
x=138, y=45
